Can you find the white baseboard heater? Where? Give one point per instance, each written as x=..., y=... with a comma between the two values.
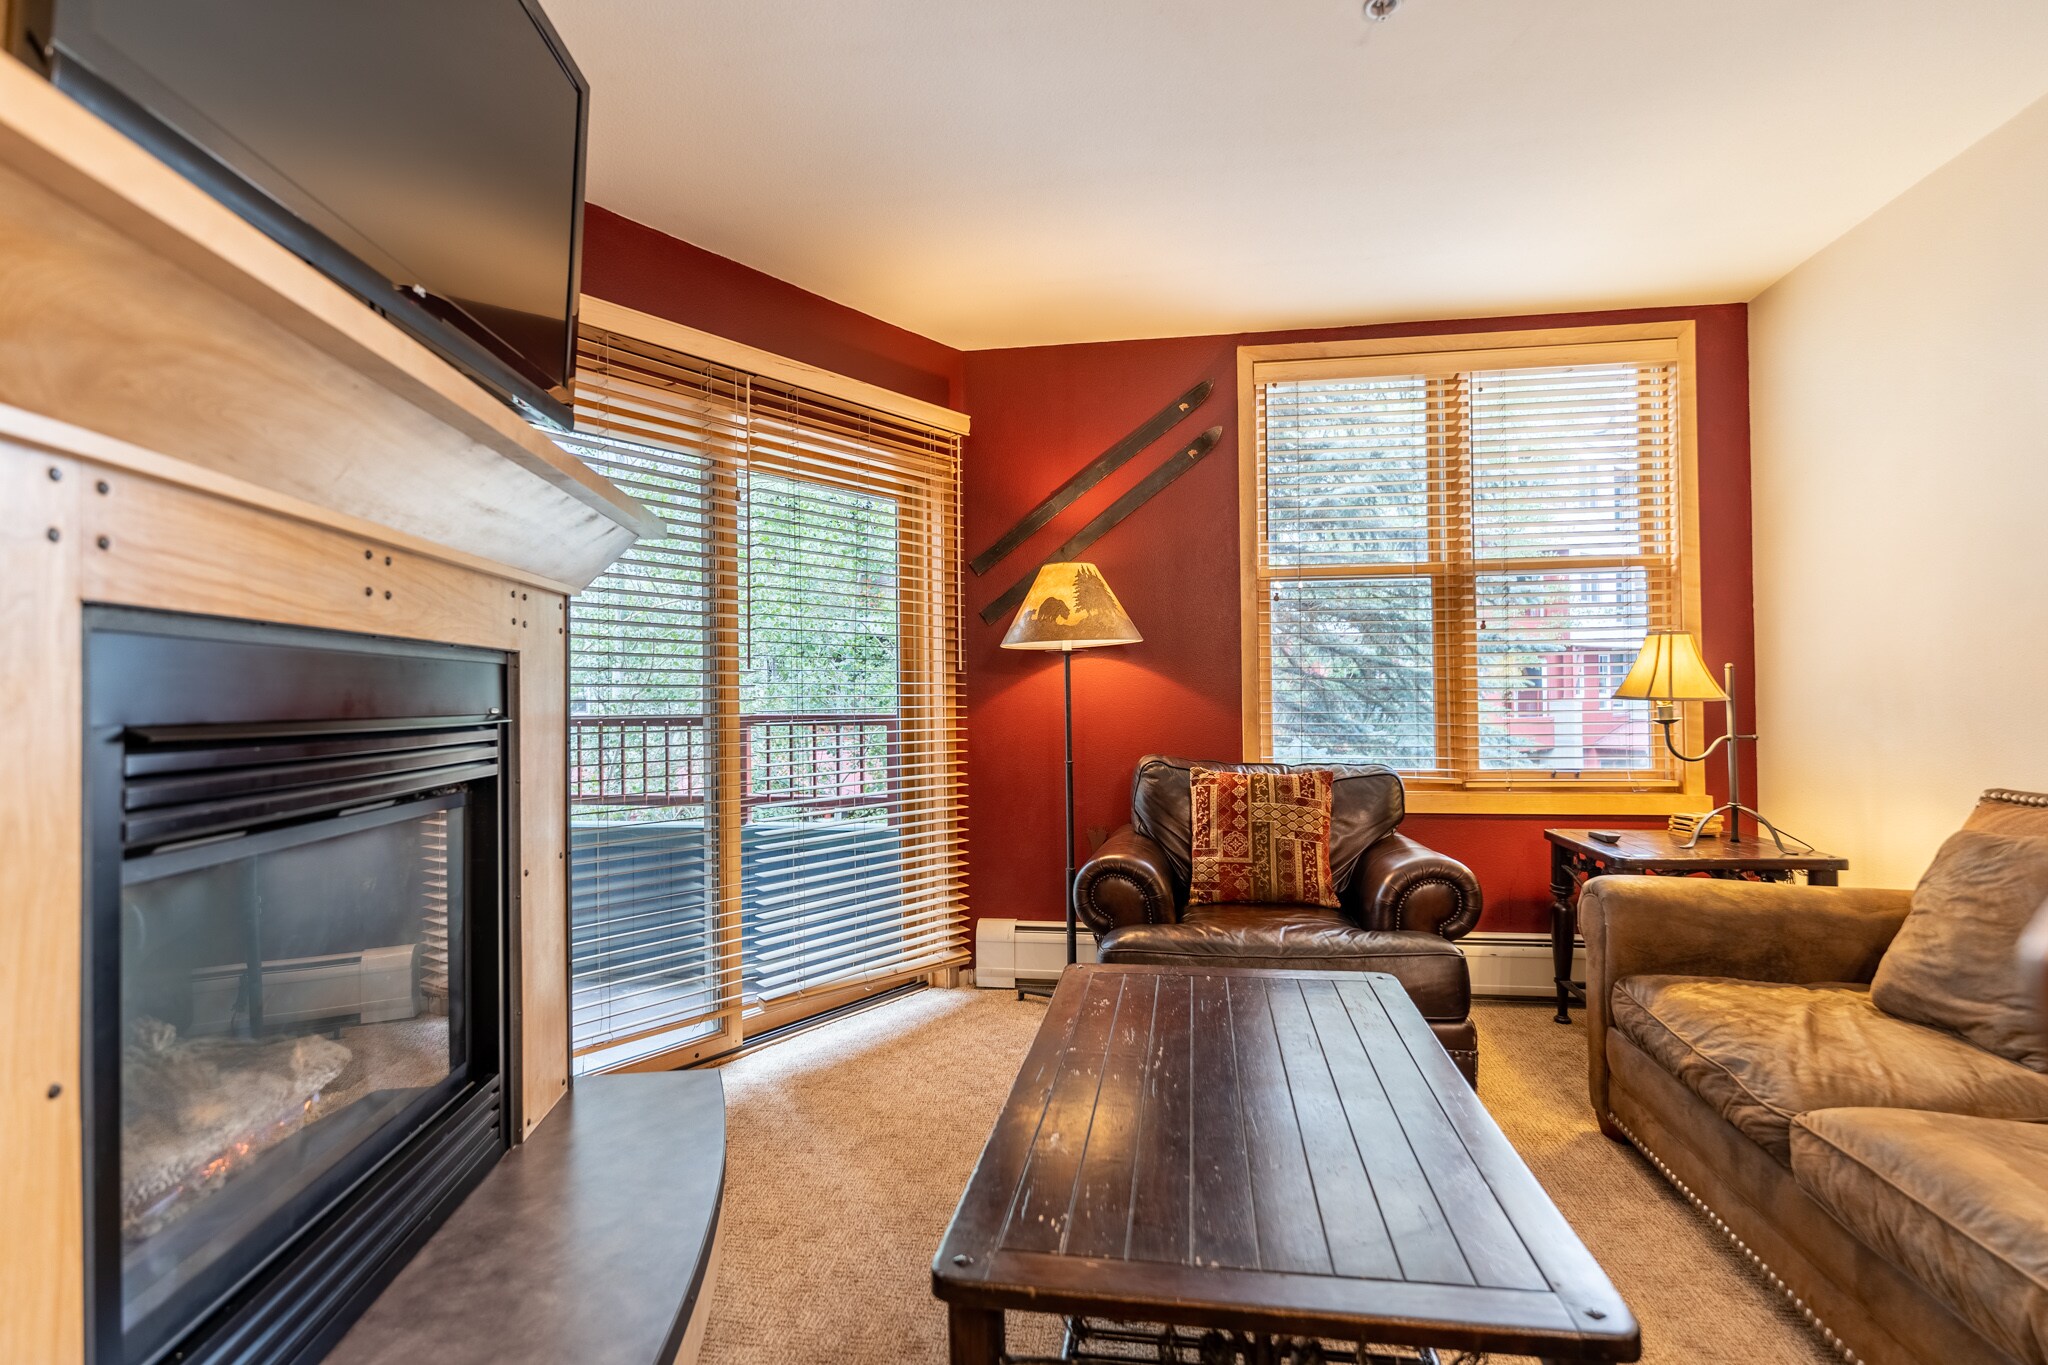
x=1515, y=965
x=1007, y=951
x=372, y=986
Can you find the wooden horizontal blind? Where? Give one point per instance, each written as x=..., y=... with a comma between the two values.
x=766, y=707
x=853, y=610
x=1457, y=557
x=654, y=922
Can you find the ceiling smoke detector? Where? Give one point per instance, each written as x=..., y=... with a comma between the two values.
x=1381, y=9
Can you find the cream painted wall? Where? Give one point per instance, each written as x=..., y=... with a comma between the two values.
x=1900, y=421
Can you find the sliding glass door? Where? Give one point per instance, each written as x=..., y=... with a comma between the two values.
x=646, y=950
x=765, y=711
x=821, y=865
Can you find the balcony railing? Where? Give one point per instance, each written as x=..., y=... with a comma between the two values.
x=809, y=762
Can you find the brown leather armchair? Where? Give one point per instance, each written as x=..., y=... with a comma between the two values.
x=1402, y=904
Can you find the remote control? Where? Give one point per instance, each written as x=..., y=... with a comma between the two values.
x=1605, y=836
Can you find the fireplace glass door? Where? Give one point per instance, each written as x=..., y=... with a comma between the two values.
x=295, y=999
x=289, y=1008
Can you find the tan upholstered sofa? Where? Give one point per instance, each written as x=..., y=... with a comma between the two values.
x=1890, y=1176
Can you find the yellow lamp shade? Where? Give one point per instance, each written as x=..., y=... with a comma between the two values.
x=1070, y=607
x=1670, y=669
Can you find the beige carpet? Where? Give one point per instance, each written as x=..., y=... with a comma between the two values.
x=849, y=1145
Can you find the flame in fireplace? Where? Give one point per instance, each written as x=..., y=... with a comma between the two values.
x=216, y=1170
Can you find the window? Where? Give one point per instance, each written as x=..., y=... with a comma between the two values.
x=765, y=708
x=1454, y=548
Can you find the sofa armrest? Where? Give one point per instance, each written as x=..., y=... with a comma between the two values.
x=1752, y=931
x=1128, y=881
x=1401, y=884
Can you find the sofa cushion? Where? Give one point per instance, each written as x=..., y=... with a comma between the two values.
x=1760, y=1053
x=1952, y=963
x=1261, y=838
x=2000, y=811
x=1366, y=805
x=1958, y=1203
x=1301, y=938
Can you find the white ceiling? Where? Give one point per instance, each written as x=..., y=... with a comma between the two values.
x=1065, y=170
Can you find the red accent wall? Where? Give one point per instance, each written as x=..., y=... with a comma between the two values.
x=1041, y=412
x=640, y=267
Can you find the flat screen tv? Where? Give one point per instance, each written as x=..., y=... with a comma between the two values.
x=426, y=154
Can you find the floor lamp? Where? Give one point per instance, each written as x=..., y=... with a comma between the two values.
x=1069, y=607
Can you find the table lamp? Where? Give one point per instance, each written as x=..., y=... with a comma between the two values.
x=1069, y=607
x=1669, y=670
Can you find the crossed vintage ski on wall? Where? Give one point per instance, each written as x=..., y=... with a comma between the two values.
x=1086, y=478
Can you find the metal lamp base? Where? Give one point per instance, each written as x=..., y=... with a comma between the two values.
x=1041, y=989
x=1778, y=836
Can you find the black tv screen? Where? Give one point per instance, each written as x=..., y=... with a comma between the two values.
x=428, y=154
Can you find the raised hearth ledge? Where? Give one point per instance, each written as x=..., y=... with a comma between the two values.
x=592, y=1242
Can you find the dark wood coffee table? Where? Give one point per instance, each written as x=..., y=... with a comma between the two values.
x=1265, y=1152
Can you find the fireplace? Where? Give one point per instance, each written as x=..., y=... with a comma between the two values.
x=296, y=1001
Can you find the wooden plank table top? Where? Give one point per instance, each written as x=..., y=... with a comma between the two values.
x=1263, y=1151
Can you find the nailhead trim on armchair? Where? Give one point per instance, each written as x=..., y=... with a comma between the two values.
x=1453, y=928
x=1096, y=918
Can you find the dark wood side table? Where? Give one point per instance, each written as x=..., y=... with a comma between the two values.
x=1575, y=856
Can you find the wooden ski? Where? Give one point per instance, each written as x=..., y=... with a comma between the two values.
x=1142, y=492
x=1098, y=469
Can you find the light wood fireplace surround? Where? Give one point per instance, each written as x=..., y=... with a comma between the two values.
x=193, y=420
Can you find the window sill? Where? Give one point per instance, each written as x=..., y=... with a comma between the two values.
x=1554, y=801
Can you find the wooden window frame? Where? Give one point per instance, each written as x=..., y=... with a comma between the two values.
x=606, y=316
x=1446, y=353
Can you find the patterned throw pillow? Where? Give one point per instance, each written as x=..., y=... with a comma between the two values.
x=1261, y=838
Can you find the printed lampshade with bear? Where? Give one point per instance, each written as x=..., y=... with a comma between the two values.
x=1070, y=607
